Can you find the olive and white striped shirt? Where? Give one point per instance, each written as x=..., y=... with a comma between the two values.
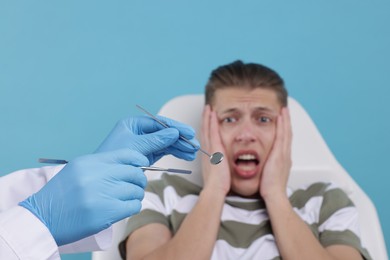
x=245, y=229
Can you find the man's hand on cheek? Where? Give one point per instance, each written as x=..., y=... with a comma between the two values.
x=217, y=176
x=277, y=167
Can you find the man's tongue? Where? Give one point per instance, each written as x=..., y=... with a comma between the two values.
x=246, y=168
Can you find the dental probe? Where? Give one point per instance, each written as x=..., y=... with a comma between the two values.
x=145, y=168
x=215, y=158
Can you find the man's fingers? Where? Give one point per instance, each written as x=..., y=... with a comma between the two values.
x=214, y=131
x=288, y=131
x=206, y=127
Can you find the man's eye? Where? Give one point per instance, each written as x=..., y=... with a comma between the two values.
x=229, y=120
x=264, y=119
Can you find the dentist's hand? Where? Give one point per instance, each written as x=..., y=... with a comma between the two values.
x=144, y=134
x=89, y=194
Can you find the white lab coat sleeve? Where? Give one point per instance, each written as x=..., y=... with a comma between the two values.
x=20, y=232
x=17, y=186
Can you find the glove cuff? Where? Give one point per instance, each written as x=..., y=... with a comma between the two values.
x=30, y=205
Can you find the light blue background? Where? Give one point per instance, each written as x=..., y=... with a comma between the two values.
x=70, y=69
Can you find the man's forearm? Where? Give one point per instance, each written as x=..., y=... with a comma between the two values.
x=293, y=237
x=198, y=232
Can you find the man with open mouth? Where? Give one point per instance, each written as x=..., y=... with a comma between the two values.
x=244, y=209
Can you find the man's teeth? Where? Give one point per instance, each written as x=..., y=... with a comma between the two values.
x=246, y=157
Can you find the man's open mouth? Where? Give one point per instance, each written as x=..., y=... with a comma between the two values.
x=247, y=163
x=247, y=159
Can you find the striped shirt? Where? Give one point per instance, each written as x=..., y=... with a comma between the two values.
x=245, y=229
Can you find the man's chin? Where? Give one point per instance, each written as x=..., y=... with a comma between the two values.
x=246, y=192
x=247, y=186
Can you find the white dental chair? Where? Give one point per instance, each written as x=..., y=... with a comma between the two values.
x=312, y=162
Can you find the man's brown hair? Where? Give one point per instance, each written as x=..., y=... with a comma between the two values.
x=245, y=75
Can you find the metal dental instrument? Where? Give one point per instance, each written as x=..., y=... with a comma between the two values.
x=52, y=161
x=215, y=158
x=153, y=168
x=145, y=168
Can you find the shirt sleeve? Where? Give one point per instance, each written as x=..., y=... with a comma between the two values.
x=339, y=221
x=153, y=211
x=100, y=241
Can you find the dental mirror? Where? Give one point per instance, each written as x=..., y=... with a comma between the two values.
x=215, y=158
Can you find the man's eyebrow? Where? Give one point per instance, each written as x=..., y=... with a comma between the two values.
x=260, y=109
x=229, y=110
x=266, y=110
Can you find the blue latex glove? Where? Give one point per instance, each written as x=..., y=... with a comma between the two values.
x=89, y=194
x=143, y=133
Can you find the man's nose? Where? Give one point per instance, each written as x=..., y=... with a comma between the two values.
x=246, y=133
